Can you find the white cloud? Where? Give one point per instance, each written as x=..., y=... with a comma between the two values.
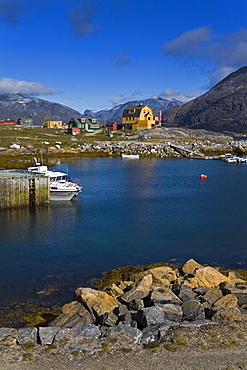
x=224, y=53
x=171, y=94
x=12, y=86
x=121, y=99
x=165, y=94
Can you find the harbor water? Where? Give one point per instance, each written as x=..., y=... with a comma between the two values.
x=130, y=212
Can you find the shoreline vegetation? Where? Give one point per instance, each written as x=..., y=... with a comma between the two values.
x=19, y=144
x=35, y=313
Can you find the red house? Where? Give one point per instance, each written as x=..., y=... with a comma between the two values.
x=74, y=131
x=112, y=126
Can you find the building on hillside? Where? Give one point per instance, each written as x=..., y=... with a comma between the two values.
x=8, y=121
x=138, y=117
x=25, y=121
x=83, y=123
x=157, y=117
x=52, y=122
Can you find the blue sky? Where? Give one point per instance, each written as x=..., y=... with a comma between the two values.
x=95, y=54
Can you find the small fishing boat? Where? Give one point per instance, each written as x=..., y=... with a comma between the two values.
x=62, y=187
x=130, y=156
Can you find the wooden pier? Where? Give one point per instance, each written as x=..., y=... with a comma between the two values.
x=22, y=189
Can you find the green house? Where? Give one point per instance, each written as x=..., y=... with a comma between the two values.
x=83, y=123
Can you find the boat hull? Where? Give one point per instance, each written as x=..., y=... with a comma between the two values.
x=59, y=195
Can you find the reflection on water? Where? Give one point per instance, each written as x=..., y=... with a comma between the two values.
x=129, y=212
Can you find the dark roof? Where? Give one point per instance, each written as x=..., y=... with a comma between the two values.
x=136, y=110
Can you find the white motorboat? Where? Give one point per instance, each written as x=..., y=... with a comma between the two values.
x=130, y=156
x=61, y=186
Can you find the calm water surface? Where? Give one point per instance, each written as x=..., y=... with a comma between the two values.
x=130, y=212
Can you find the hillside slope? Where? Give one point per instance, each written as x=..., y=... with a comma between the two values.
x=223, y=108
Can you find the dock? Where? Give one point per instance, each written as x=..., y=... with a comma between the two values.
x=186, y=152
x=21, y=189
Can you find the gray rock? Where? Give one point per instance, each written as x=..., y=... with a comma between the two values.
x=121, y=310
x=47, y=335
x=186, y=293
x=201, y=290
x=133, y=333
x=8, y=336
x=136, y=304
x=165, y=326
x=64, y=335
x=74, y=317
x=108, y=319
x=150, y=334
x=211, y=296
x=150, y=316
x=164, y=296
x=227, y=314
x=129, y=318
x=172, y=312
x=239, y=290
x=27, y=335
x=192, y=310
x=89, y=331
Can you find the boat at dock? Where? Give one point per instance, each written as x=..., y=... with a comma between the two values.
x=62, y=187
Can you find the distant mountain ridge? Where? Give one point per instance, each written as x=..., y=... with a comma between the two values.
x=14, y=106
x=115, y=113
x=222, y=108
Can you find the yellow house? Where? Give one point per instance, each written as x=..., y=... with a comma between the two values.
x=52, y=122
x=138, y=117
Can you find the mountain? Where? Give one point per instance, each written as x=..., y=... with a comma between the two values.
x=115, y=113
x=222, y=108
x=14, y=106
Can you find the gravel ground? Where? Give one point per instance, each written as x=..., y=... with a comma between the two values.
x=207, y=347
x=234, y=358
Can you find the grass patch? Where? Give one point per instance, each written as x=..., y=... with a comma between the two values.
x=126, y=350
x=105, y=347
x=51, y=348
x=27, y=356
x=152, y=345
x=172, y=347
x=28, y=345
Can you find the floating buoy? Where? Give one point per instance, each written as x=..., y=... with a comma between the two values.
x=202, y=176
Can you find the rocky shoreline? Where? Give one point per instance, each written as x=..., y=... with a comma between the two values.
x=160, y=309
x=160, y=142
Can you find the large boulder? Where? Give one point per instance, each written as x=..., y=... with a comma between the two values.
x=206, y=276
x=192, y=310
x=190, y=266
x=239, y=290
x=134, y=334
x=211, y=296
x=150, y=316
x=227, y=314
x=73, y=315
x=96, y=301
x=172, y=312
x=161, y=295
x=161, y=275
x=138, y=290
x=229, y=300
